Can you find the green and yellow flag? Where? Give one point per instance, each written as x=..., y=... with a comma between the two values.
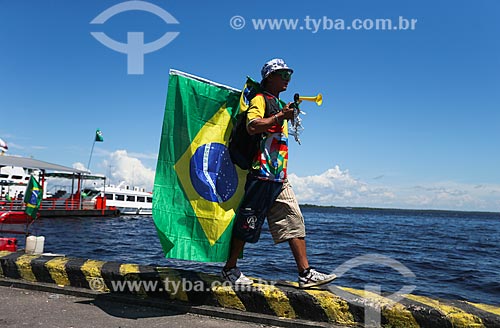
x=98, y=136
x=197, y=188
x=33, y=197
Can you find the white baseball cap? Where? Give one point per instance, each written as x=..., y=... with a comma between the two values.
x=273, y=65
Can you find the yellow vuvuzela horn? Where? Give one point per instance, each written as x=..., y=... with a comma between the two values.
x=317, y=99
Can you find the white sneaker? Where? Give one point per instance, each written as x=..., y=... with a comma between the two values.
x=235, y=276
x=315, y=278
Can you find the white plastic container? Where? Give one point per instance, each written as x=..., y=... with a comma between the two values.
x=34, y=244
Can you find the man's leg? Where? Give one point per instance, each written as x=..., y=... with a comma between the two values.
x=298, y=247
x=231, y=272
x=286, y=223
x=259, y=195
x=307, y=276
x=236, y=249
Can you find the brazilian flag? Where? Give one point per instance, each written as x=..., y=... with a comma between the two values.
x=33, y=197
x=197, y=188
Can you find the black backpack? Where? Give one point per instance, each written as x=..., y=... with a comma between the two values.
x=243, y=146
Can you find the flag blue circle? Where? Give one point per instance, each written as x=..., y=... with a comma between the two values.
x=212, y=173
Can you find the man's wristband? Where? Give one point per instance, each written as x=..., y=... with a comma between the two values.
x=276, y=119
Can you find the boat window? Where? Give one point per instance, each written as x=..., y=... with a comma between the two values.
x=109, y=196
x=4, y=175
x=119, y=197
x=17, y=177
x=130, y=198
x=141, y=199
x=91, y=193
x=150, y=199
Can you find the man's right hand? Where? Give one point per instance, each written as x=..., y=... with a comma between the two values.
x=288, y=111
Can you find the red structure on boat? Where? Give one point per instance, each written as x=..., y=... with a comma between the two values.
x=14, y=217
x=13, y=222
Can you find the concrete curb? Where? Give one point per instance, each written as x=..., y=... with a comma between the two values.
x=337, y=305
x=179, y=307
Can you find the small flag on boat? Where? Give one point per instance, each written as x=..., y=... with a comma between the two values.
x=33, y=197
x=98, y=136
x=197, y=188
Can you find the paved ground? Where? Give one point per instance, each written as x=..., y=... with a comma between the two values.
x=31, y=308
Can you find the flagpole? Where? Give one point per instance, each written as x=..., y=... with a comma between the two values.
x=88, y=168
x=91, y=151
x=97, y=137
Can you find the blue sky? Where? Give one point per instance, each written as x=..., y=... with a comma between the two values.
x=409, y=119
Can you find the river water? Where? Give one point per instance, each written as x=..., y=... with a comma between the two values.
x=454, y=255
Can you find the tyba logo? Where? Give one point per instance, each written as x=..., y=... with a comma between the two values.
x=372, y=291
x=135, y=48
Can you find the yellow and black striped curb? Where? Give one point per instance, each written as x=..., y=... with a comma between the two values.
x=320, y=305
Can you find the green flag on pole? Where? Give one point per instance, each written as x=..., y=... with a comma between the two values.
x=197, y=188
x=98, y=136
x=33, y=197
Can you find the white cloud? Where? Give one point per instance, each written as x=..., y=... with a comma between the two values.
x=131, y=170
x=453, y=195
x=122, y=167
x=144, y=156
x=79, y=166
x=337, y=187
x=13, y=145
x=39, y=147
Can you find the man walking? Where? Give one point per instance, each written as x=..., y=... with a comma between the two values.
x=267, y=191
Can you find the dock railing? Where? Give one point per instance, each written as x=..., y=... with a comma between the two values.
x=67, y=204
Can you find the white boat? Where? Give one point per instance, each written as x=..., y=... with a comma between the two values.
x=128, y=200
x=14, y=180
x=15, y=174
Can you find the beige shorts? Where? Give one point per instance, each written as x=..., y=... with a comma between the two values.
x=285, y=218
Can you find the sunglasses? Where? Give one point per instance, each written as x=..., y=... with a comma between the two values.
x=286, y=75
